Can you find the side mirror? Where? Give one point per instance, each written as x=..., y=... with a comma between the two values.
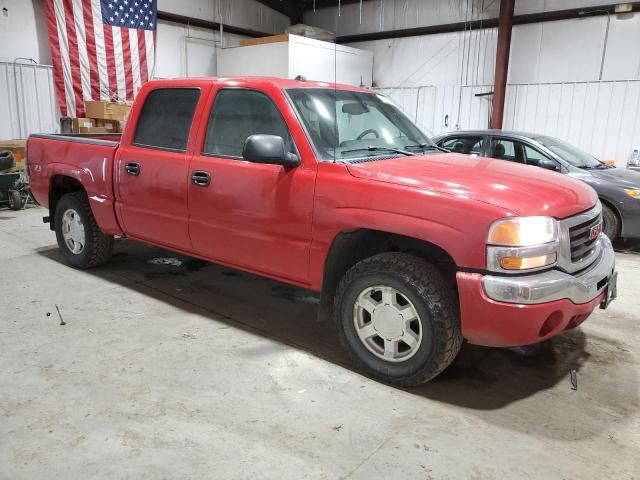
x=549, y=165
x=268, y=149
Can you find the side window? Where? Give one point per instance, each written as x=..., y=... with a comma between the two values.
x=470, y=145
x=506, y=150
x=236, y=115
x=166, y=118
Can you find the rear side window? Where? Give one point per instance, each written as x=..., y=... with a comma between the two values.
x=166, y=118
x=236, y=115
x=506, y=150
x=470, y=145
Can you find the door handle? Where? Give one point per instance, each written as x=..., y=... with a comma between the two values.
x=132, y=168
x=200, y=178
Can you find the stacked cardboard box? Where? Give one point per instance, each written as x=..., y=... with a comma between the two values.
x=101, y=117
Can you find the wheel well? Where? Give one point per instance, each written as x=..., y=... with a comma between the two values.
x=615, y=211
x=350, y=247
x=61, y=185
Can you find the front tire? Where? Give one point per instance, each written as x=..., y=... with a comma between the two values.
x=398, y=318
x=610, y=223
x=82, y=243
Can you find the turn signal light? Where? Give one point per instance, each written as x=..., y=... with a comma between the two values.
x=526, y=263
x=506, y=233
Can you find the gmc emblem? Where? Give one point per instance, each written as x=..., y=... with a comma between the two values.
x=595, y=231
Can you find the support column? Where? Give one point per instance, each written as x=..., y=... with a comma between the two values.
x=505, y=25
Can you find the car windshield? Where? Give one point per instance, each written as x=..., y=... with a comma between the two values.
x=344, y=125
x=569, y=153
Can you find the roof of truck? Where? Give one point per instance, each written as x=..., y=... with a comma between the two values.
x=277, y=82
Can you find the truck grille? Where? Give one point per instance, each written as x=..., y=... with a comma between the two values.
x=581, y=244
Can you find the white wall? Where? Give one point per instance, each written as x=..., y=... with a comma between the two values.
x=23, y=31
x=450, y=58
x=560, y=51
x=27, y=101
x=249, y=14
x=382, y=15
x=188, y=51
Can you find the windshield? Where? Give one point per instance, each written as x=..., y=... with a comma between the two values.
x=569, y=153
x=344, y=125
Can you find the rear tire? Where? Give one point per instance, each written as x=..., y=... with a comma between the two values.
x=82, y=243
x=610, y=223
x=390, y=297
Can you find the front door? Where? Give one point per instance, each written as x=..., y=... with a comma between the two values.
x=152, y=171
x=249, y=215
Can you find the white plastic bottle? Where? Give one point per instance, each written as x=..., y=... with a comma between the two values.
x=634, y=159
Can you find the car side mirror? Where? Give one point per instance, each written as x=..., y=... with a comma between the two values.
x=268, y=149
x=549, y=165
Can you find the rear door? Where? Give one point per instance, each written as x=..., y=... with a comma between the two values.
x=250, y=215
x=152, y=169
x=503, y=148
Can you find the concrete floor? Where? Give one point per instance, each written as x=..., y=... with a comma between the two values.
x=196, y=371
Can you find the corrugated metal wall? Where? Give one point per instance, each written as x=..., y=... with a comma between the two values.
x=27, y=101
x=601, y=117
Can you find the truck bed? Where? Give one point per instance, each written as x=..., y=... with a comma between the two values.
x=85, y=158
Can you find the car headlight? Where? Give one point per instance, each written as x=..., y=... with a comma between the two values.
x=522, y=243
x=632, y=192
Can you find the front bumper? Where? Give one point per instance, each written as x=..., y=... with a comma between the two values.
x=503, y=311
x=555, y=284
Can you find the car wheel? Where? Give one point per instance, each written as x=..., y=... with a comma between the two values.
x=82, y=243
x=610, y=223
x=15, y=200
x=398, y=318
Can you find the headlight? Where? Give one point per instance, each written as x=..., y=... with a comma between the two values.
x=632, y=192
x=522, y=243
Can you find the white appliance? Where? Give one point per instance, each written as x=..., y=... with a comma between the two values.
x=288, y=56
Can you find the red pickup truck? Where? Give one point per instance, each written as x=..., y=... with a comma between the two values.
x=332, y=188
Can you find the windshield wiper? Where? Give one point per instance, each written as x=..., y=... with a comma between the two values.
x=427, y=146
x=601, y=166
x=372, y=148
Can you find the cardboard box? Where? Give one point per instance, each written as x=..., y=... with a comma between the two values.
x=94, y=130
x=78, y=123
x=17, y=147
x=262, y=40
x=111, y=126
x=106, y=110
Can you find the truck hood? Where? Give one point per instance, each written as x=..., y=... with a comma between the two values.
x=521, y=189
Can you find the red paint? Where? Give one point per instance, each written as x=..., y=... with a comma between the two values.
x=281, y=222
x=497, y=324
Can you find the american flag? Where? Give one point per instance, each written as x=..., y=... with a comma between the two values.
x=101, y=49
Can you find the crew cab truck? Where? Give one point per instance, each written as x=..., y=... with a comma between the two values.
x=332, y=188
